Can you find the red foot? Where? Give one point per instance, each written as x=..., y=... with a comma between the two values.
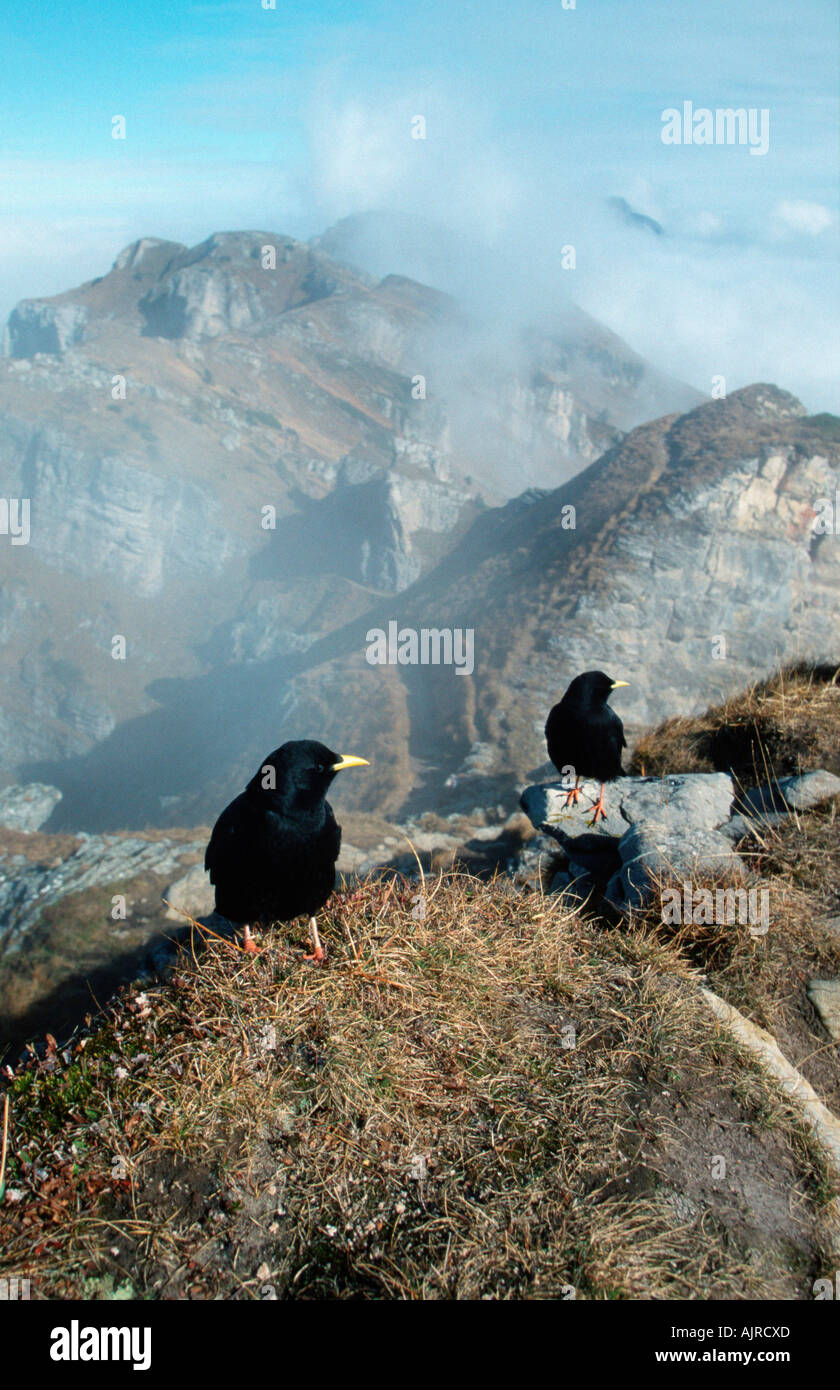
x=573, y=796
x=319, y=955
x=599, y=811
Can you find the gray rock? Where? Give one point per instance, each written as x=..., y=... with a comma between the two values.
x=772, y=803
x=740, y=826
x=26, y=888
x=670, y=829
x=531, y=865
x=193, y=893
x=809, y=789
x=658, y=853
x=673, y=830
x=27, y=807
x=825, y=997
x=574, y=884
x=37, y=326
x=689, y=801
x=762, y=802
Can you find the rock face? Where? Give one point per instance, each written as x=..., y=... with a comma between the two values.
x=690, y=560
x=203, y=422
x=40, y=326
x=27, y=808
x=825, y=997
x=660, y=830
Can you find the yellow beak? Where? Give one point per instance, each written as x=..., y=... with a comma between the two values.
x=347, y=760
x=616, y=684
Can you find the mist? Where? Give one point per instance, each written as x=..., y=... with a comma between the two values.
x=529, y=131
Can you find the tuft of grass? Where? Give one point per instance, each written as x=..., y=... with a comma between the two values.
x=787, y=724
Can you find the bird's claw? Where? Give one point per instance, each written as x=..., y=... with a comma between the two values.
x=573, y=796
x=318, y=956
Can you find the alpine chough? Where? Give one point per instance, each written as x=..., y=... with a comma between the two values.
x=273, y=850
x=583, y=733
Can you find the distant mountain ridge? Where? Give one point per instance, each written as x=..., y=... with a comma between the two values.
x=692, y=567
x=226, y=460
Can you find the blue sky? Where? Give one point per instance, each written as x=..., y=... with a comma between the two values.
x=288, y=119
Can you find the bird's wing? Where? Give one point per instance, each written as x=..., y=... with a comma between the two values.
x=333, y=830
x=221, y=846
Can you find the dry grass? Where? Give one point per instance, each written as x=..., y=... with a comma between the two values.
x=787, y=724
x=784, y=725
x=480, y=1095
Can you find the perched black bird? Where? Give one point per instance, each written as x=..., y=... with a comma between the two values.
x=272, y=853
x=582, y=732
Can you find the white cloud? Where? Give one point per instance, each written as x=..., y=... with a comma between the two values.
x=801, y=216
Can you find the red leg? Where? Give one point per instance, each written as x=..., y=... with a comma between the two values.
x=573, y=795
x=248, y=943
x=318, y=953
x=599, y=808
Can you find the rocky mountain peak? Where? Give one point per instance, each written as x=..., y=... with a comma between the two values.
x=233, y=450
x=147, y=249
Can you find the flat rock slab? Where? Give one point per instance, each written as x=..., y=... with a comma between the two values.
x=688, y=801
x=657, y=830
x=28, y=807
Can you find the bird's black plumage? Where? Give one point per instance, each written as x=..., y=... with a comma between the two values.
x=583, y=733
x=273, y=850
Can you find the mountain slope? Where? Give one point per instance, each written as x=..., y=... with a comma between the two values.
x=692, y=568
x=230, y=450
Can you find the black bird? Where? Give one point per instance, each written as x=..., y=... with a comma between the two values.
x=582, y=732
x=272, y=853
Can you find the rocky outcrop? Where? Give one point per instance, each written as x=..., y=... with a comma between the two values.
x=27, y=808
x=28, y=886
x=199, y=302
x=110, y=515
x=379, y=527
x=686, y=561
x=661, y=830
x=37, y=325
x=193, y=893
